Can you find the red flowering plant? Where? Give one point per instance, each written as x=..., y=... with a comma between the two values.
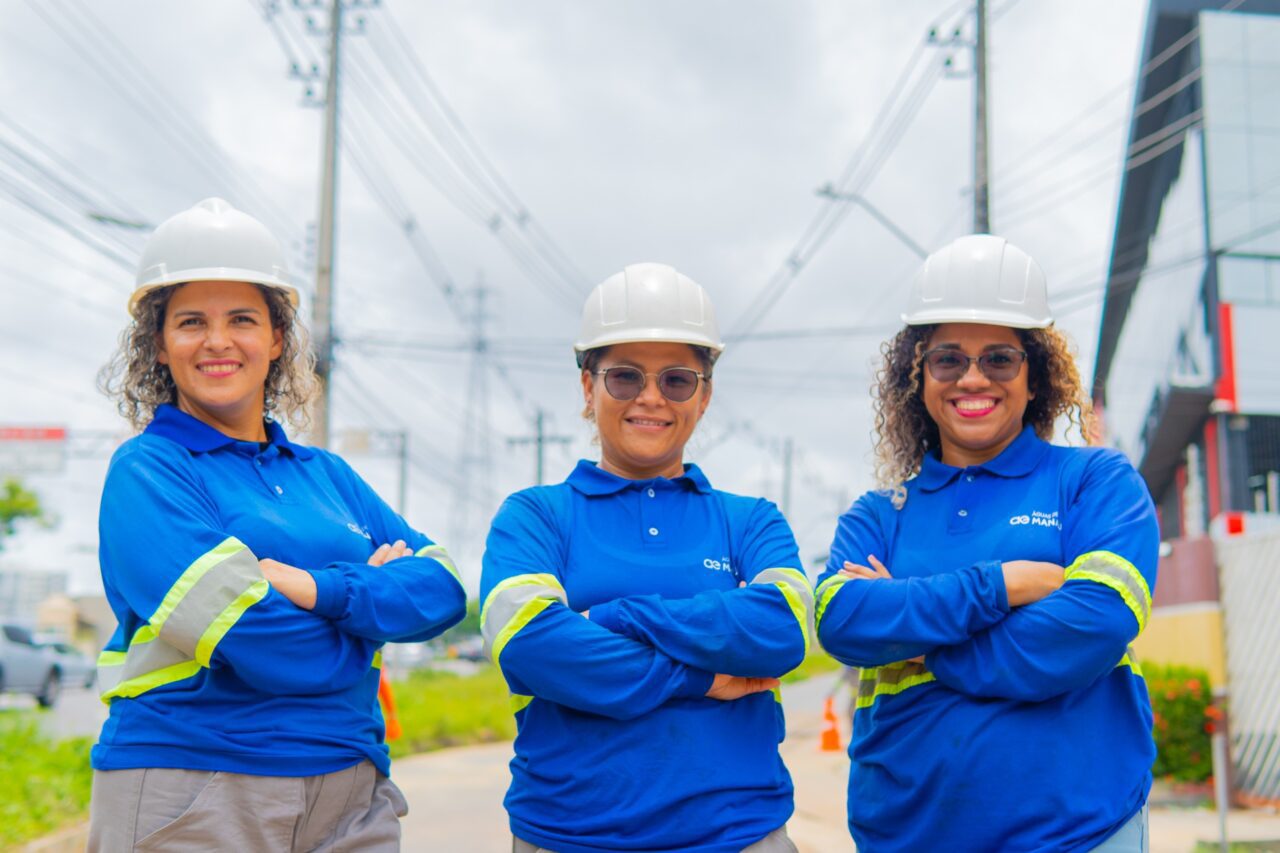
x=1183, y=716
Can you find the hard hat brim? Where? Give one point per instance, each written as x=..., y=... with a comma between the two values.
x=661, y=336
x=986, y=317
x=212, y=274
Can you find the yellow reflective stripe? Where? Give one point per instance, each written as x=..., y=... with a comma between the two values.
x=377, y=659
x=1119, y=575
x=777, y=695
x=520, y=580
x=441, y=556
x=220, y=626
x=156, y=678
x=206, y=561
x=523, y=617
x=797, y=608
x=826, y=590
x=519, y=702
x=111, y=658
x=890, y=680
x=1132, y=662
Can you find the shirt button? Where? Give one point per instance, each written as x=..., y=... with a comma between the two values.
x=962, y=513
x=653, y=531
x=969, y=477
x=257, y=462
x=651, y=493
x=280, y=491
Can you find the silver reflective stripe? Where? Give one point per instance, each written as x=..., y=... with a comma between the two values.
x=890, y=680
x=207, y=598
x=146, y=665
x=798, y=593
x=1119, y=574
x=512, y=604
x=441, y=556
x=196, y=612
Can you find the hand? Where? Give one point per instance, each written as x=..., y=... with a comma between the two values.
x=726, y=688
x=863, y=573
x=386, y=553
x=293, y=583
x=1028, y=581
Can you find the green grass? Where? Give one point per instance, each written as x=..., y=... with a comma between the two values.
x=817, y=662
x=44, y=784
x=439, y=709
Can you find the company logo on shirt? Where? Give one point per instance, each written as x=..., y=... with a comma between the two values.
x=355, y=528
x=720, y=565
x=1038, y=519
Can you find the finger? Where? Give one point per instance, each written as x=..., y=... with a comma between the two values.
x=879, y=566
x=861, y=572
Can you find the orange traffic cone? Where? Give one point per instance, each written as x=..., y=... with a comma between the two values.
x=389, y=707
x=830, y=728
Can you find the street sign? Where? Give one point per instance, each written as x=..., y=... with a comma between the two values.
x=32, y=450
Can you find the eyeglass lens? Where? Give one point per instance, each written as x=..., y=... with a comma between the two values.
x=677, y=384
x=998, y=365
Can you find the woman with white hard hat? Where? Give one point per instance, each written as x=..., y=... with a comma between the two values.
x=640, y=616
x=254, y=579
x=990, y=588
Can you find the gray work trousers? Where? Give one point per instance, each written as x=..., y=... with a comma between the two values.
x=775, y=842
x=162, y=809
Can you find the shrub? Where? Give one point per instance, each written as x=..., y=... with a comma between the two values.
x=439, y=709
x=1180, y=705
x=44, y=784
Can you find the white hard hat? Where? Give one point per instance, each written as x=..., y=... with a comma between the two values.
x=648, y=302
x=211, y=242
x=979, y=279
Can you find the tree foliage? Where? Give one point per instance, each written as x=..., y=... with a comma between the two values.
x=17, y=503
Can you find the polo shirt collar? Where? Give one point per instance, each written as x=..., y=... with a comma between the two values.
x=590, y=479
x=1017, y=460
x=197, y=436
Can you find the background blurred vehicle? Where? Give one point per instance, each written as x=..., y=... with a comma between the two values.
x=76, y=666
x=28, y=667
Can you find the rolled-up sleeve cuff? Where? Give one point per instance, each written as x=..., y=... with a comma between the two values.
x=697, y=682
x=993, y=572
x=331, y=593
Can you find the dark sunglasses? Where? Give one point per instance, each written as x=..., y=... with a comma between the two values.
x=677, y=384
x=998, y=365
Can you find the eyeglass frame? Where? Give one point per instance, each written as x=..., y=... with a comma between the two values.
x=970, y=360
x=657, y=380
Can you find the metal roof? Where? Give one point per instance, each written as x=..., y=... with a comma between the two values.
x=1143, y=188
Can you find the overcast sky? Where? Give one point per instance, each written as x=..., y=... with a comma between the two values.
x=692, y=133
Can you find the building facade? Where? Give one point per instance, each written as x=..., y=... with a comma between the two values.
x=1185, y=378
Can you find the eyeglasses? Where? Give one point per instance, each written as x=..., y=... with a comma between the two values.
x=998, y=365
x=677, y=384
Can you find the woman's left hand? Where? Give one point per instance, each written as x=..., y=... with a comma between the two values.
x=293, y=583
x=857, y=572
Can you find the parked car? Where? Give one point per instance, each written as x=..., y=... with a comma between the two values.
x=28, y=667
x=75, y=665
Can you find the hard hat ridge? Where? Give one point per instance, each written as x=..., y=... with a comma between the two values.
x=212, y=241
x=648, y=302
x=979, y=278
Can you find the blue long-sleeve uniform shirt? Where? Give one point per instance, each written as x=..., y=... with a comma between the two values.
x=210, y=668
x=1023, y=730
x=618, y=748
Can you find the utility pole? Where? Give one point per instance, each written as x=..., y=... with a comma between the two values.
x=787, y=452
x=981, y=199
x=539, y=440
x=322, y=306
x=475, y=454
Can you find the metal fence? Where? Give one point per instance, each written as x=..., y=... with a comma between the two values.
x=1250, y=586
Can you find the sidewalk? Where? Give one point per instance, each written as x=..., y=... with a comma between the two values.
x=455, y=795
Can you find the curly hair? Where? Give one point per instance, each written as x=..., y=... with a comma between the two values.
x=904, y=431
x=139, y=383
